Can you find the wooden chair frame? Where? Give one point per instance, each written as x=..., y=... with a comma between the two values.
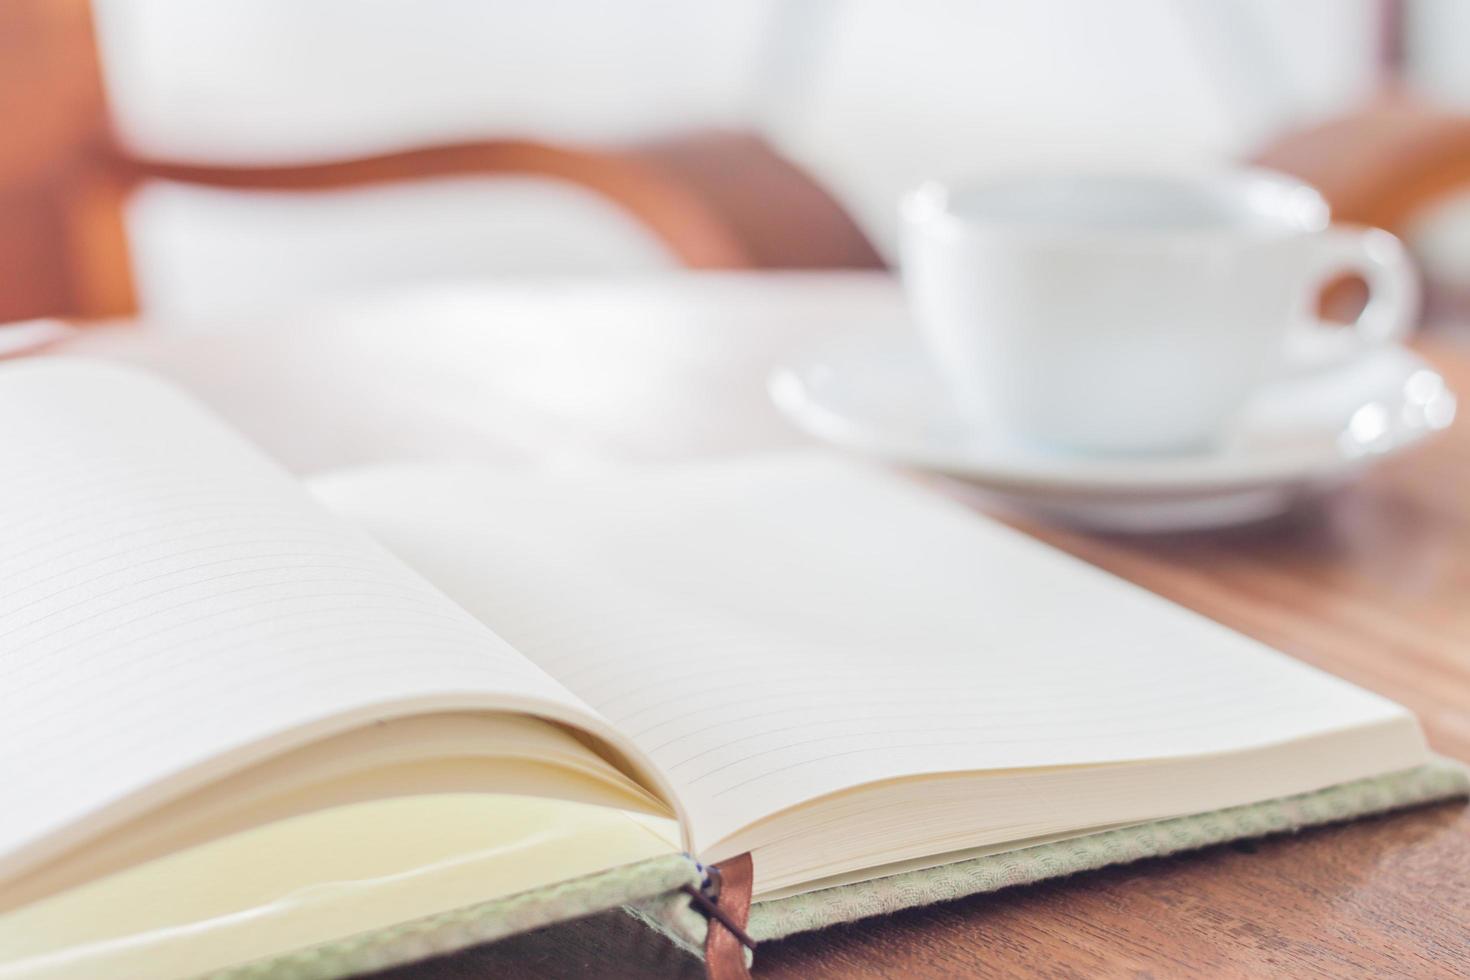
x=718, y=200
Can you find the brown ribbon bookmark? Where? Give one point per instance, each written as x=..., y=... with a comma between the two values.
x=725, y=902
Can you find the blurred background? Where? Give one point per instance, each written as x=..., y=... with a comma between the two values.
x=196, y=158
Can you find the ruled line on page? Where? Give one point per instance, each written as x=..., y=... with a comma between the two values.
x=732, y=617
x=170, y=596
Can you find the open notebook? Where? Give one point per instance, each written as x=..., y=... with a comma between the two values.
x=252, y=725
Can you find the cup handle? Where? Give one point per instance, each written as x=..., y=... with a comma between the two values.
x=1383, y=262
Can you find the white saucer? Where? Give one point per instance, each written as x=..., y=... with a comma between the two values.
x=1305, y=435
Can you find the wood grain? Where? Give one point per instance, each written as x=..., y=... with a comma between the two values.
x=1375, y=587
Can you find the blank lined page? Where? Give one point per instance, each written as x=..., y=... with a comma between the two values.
x=775, y=629
x=168, y=596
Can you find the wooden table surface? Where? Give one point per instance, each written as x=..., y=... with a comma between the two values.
x=1373, y=586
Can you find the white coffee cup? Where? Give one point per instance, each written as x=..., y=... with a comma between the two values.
x=1112, y=313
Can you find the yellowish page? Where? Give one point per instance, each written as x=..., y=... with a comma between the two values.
x=316, y=878
x=421, y=755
